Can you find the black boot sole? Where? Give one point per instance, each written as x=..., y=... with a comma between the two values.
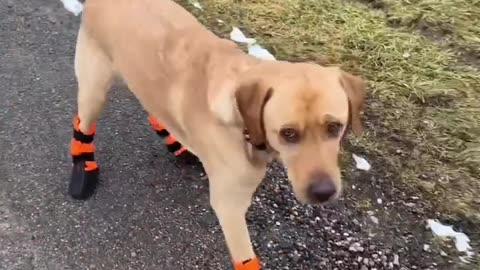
x=82, y=183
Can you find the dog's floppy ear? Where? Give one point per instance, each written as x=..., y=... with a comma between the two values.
x=251, y=99
x=355, y=88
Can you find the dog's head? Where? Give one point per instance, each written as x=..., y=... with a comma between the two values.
x=301, y=111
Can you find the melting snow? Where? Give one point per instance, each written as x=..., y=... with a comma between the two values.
x=258, y=51
x=238, y=36
x=73, y=6
x=461, y=239
x=196, y=4
x=253, y=48
x=362, y=164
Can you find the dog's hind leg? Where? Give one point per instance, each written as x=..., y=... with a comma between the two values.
x=171, y=142
x=173, y=145
x=94, y=74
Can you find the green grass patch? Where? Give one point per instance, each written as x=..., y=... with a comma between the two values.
x=454, y=22
x=423, y=111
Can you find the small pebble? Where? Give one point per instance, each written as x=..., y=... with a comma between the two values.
x=356, y=247
x=396, y=259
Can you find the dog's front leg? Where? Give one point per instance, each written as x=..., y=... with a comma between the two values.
x=230, y=197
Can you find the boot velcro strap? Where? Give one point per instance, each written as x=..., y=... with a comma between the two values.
x=163, y=133
x=84, y=157
x=83, y=138
x=172, y=148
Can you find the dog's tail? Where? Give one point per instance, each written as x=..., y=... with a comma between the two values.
x=74, y=6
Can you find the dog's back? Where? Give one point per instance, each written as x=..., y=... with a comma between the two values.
x=170, y=61
x=134, y=13
x=117, y=22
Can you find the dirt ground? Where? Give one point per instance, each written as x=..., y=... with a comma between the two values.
x=152, y=213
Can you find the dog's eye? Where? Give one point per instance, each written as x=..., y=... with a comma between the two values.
x=290, y=135
x=334, y=129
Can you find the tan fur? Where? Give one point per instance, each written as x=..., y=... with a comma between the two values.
x=206, y=91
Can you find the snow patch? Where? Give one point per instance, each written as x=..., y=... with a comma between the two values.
x=461, y=239
x=253, y=47
x=361, y=163
x=260, y=52
x=74, y=6
x=196, y=4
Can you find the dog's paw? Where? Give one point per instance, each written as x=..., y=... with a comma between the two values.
x=187, y=158
x=83, y=181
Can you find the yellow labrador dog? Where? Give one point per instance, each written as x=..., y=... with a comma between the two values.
x=199, y=87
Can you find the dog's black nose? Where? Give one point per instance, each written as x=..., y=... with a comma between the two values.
x=322, y=189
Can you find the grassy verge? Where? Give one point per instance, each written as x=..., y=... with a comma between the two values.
x=423, y=110
x=452, y=23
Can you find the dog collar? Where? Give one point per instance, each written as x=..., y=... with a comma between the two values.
x=259, y=147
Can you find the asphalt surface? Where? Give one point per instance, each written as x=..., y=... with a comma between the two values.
x=149, y=212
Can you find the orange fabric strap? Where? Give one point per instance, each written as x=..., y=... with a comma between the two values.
x=170, y=139
x=91, y=166
x=179, y=152
x=155, y=124
x=77, y=148
x=252, y=264
x=76, y=126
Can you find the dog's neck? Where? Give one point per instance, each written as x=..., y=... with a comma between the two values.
x=225, y=72
x=258, y=157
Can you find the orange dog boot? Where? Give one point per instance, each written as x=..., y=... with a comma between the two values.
x=173, y=145
x=84, y=177
x=252, y=264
